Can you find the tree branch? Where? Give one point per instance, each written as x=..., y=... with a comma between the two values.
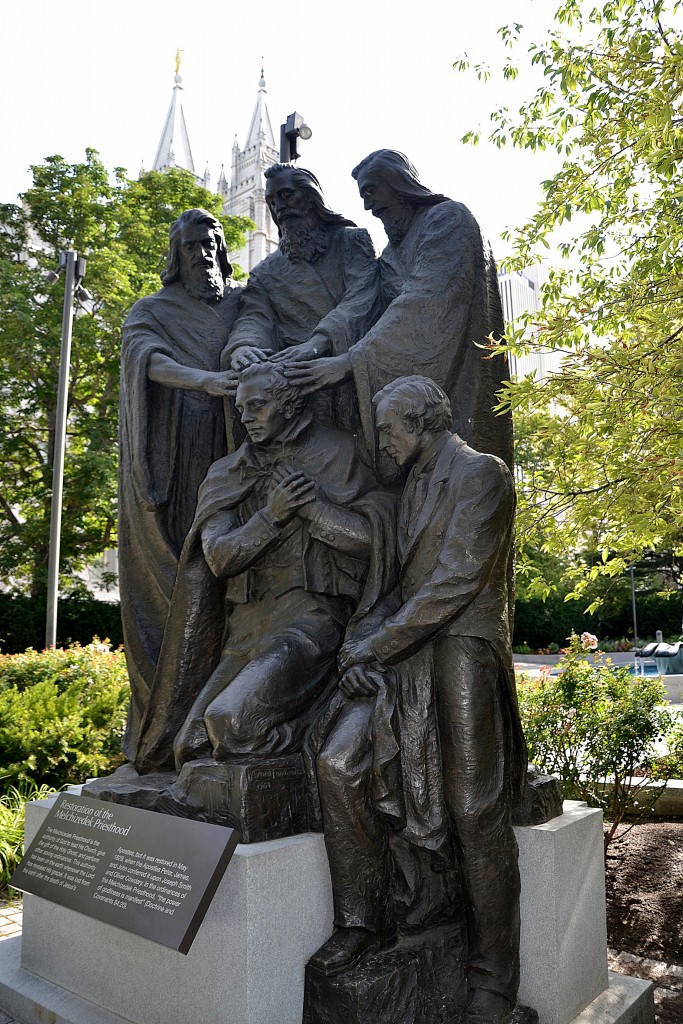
x=4, y=504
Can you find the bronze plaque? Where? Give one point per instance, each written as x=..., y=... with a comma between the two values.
x=145, y=872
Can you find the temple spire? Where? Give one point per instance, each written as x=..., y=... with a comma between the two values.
x=260, y=129
x=174, y=145
x=246, y=195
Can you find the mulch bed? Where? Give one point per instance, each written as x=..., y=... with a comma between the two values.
x=644, y=885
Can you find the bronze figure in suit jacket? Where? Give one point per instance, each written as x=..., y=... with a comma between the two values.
x=442, y=632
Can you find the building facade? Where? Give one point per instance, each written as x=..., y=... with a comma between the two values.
x=520, y=292
x=244, y=195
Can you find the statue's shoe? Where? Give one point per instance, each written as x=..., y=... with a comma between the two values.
x=345, y=948
x=484, y=1007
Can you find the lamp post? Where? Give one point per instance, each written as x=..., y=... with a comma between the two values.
x=74, y=267
x=294, y=128
x=633, y=606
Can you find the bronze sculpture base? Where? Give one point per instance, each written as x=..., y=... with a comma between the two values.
x=263, y=798
x=420, y=980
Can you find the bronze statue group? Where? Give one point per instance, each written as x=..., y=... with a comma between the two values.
x=316, y=523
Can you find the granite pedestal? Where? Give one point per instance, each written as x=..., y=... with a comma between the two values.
x=564, y=929
x=272, y=911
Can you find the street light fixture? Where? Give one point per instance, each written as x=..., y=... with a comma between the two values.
x=74, y=267
x=294, y=128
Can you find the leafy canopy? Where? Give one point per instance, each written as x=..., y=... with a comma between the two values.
x=603, y=438
x=121, y=227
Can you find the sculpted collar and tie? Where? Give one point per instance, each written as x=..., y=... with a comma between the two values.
x=426, y=460
x=417, y=484
x=421, y=490
x=261, y=459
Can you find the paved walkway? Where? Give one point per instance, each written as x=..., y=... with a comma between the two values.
x=533, y=662
x=10, y=919
x=666, y=978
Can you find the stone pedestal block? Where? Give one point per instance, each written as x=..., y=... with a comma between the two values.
x=272, y=910
x=564, y=929
x=424, y=975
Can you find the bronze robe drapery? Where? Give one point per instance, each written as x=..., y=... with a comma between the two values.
x=168, y=438
x=287, y=301
x=441, y=302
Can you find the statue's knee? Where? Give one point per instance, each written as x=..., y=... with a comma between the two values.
x=227, y=726
x=191, y=743
x=335, y=766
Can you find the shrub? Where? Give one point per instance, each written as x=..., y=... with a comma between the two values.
x=616, y=646
x=593, y=723
x=62, y=713
x=12, y=808
x=670, y=764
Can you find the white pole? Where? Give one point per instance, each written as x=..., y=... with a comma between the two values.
x=60, y=445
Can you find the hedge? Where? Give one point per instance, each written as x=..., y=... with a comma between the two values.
x=537, y=623
x=79, y=619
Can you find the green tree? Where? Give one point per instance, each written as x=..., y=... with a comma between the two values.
x=608, y=425
x=121, y=227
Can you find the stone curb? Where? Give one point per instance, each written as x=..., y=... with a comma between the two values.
x=668, y=805
x=666, y=978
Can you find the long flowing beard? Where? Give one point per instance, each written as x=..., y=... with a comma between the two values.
x=305, y=239
x=396, y=222
x=204, y=284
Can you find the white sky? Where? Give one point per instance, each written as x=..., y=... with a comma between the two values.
x=365, y=74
